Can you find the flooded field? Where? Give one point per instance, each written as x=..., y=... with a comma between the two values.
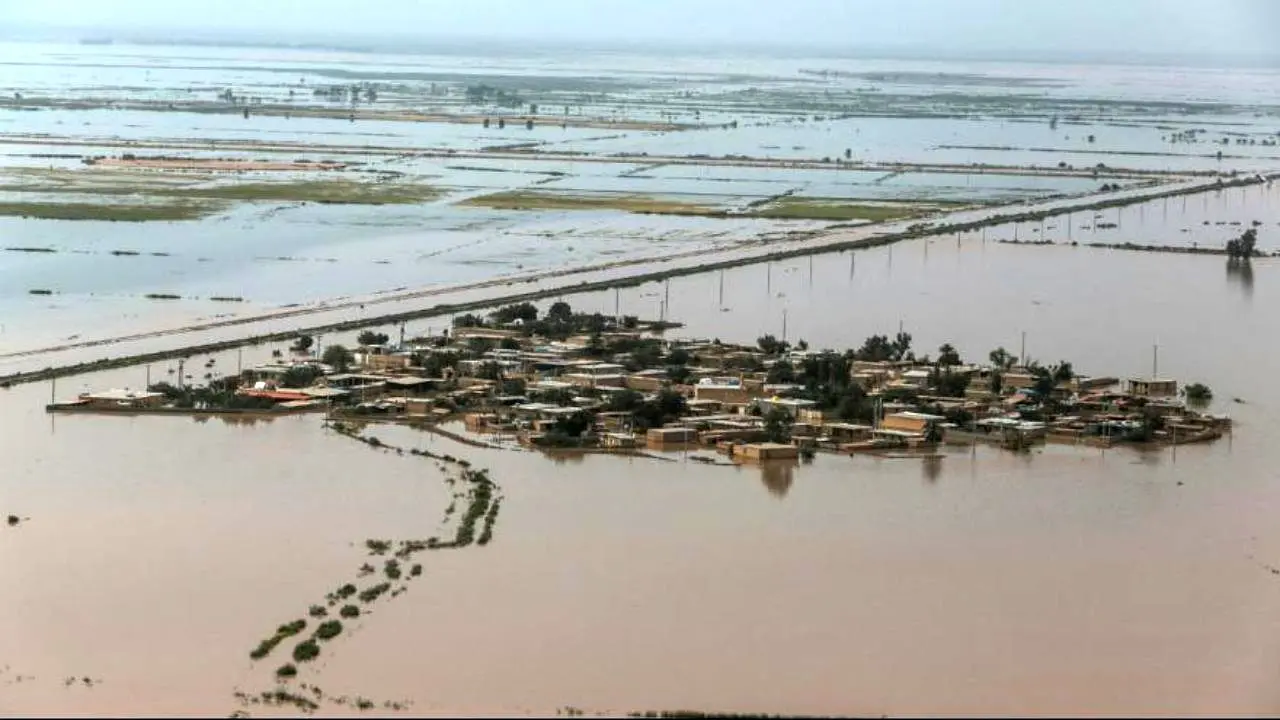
x=447, y=169
x=149, y=556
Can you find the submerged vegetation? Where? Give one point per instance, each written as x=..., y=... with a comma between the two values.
x=173, y=201
x=535, y=200
x=482, y=498
x=807, y=208
x=157, y=212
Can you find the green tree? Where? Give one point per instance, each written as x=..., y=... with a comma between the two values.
x=1197, y=393
x=1001, y=359
x=1243, y=246
x=1063, y=372
x=509, y=344
x=369, y=337
x=560, y=311
x=771, y=345
x=480, y=345
x=947, y=355
x=624, y=401
x=679, y=374
x=678, y=356
x=781, y=373
x=303, y=344
x=777, y=425
x=299, y=376
x=338, y=357
x=524, y=312
x=489, y=371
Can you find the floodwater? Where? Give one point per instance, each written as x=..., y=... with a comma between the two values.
x=1068, y=581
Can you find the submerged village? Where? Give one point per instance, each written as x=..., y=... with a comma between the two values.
x=572, y=381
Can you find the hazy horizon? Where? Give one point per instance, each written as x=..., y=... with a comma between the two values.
x=1005, y=29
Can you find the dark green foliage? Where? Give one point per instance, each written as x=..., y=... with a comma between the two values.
x=624, y=401
x=349, y=611
x=772, y=345
x=777, y=425
x=299, y=376
x=369, y=337
x=1197, y=393
x=1001, y=359
x=282, y=633
x=337, y=357
x=666, y=406
x=947, y=383
x=947, y=356
x=468, y=320
x=220, y=394
x=306, y=651
x=287, y=670
x=370, y=594
x=1243, y=246
x=879, y=348
x=525, y=312
x=329, y=630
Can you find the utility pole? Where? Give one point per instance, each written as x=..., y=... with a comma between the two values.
x=1022, y=354
x=239, y=361
x=147, y=387
x=722, y=288
x=617, y=304
x=784, y=324
x=1155, y=362
x=53, y=390
x=181, y=372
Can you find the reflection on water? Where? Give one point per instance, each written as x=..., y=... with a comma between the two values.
x=1240, y=271
x=777, y=476
x=932, y=468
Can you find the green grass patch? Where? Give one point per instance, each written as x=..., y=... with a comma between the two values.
x=533, y=200
x=803, y=208
x=158, y=212
x=342, y=192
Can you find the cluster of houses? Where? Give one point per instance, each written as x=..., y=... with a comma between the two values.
x=525, y=388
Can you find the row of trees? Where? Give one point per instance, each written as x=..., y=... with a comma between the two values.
x=559, y=322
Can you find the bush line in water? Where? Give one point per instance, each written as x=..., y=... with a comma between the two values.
x=329, y=629
x=306, y=651
x=282, y=633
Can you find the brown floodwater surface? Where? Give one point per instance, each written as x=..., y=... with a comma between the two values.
x=160, y=551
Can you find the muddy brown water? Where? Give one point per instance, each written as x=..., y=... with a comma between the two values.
x=159, y=551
